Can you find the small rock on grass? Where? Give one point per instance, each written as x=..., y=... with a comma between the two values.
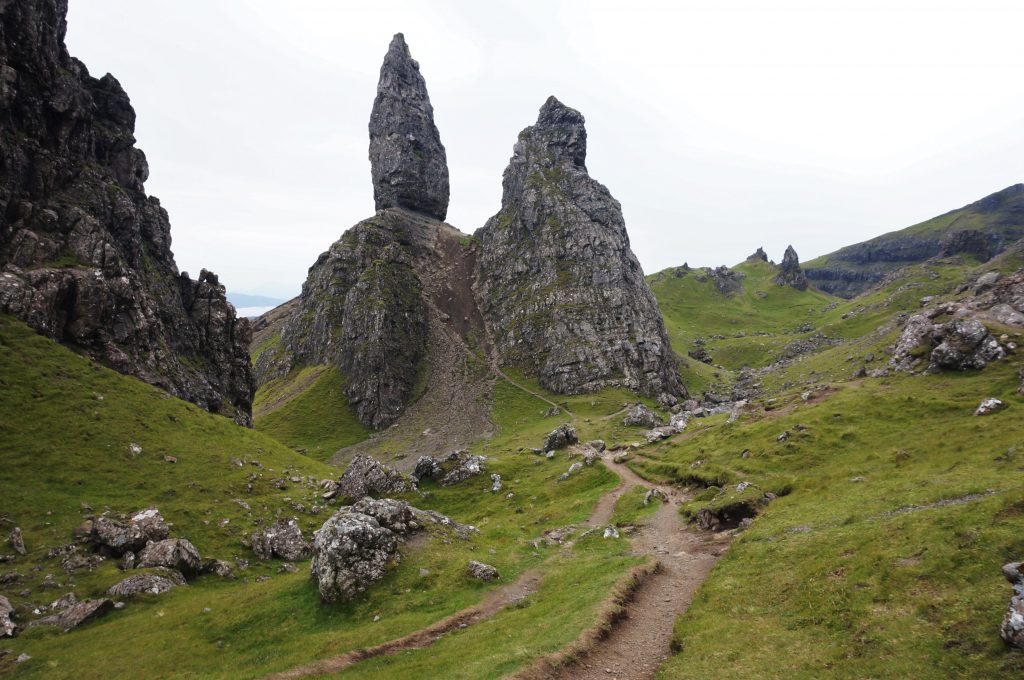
x=989, y=406
x=481, y=571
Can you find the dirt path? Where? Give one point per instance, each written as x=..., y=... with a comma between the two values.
x=641, y=642
x=493, y=602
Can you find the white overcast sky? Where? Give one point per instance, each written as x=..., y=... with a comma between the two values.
x=719, y=125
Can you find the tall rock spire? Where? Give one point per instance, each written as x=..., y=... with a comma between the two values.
x=407, y=159
x=790, y=273
x=561, y=291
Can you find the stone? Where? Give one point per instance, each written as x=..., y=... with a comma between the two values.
x=151, y=584
x=127, y=561
x=790, y=273
x=173, y=553
x=217, y=568
x=560, y=289
x=597, y=444
x=283, y=539
x=481, y=571
x=562, y=436
x=85, y=253
x=989, y=406
x=642, y=416
x=7, y=626
x=758, y=256
x=427, y=467
x=64, y=602
x=407, y=159
x=76, y=615
x=17, y=541
x=611, y=532
x=351, y=551
x=986, y=281
x=654, y=493
x=495, y=483
x=116, y=536
x=366, y=476
x=394, y=515
x=1012, y=628
x=460, y=466
x=620, y=457
x=960, y=344
x=573, y=469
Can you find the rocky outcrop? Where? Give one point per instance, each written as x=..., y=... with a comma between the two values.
x=758, y=255
x=790, y=273
x=562, y=293
x=151, y=584
x=982, y=229
x=282, y=539
x=351, y=551
x=119, y=535
x=1012, y=629
x=177, y=554
x=960, y=344
x=562, y=436
x=85, y=254
x=642, y=416
x=726, y=280
x=75, y=615
x=407, y=159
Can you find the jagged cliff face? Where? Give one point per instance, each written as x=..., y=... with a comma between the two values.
x=85, y=253
x=982, y=229
x=562, y=293
x=407, y=159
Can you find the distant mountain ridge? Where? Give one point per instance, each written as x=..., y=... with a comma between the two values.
x=982, y=229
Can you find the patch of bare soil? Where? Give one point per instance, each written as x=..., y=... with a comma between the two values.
x=640, y=641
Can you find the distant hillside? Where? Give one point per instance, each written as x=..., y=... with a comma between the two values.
x=980, y=230
x=240, y=300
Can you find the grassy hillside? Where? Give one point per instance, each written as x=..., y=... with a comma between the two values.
x=66, y=426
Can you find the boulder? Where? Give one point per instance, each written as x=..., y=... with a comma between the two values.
x=76, y=615
x=218, y=568
x=989, y=406
x=642, y=416
x=652, y=494
x=118, y=536
x=561, y=437
x=460, y=466
x=151, y=583
x=173, y=553
x=351, y=551
x=282, y=539
x=495, y=483
x=365, y=476
x=1012, y=628
x=790, y=273
x=7, y=627
x=17, y=541
x=481, y=571
x=597, y=444
x=960, y=344
x=427, y=467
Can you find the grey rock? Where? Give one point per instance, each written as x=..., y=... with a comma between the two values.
x=366, y=476
x=282, y=539
x=655, y=493
x=495, y=483
x=989, y=406
x=726, y=280
x=217, y=568
x=7, y=626
x=1014, y=572
x=481, y=571
x=758, y=256
x=85, y=254
x=427, y=467
x=611, y=531
x=407, y=159
x=960, y=344
x=76, y=615
x=640, y=415
x=120, y=535
x=173, y=553
x=152, y=584
x=351, y=551
x=562, y=293
x=562, y=436
x=790, y=273
x=597, y=444
x=1012, y=628
x=17, y=541
x=986, y=281
x=460, y=466
x=394, y=515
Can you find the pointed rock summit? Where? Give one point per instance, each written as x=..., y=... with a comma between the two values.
x=407, y=160
x=790, y=273
x=758, y=256
x=562, y=293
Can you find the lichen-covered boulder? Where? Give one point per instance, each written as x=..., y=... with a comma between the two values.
x=1012, y=629
x=481, y=571
x=562, y=436
x=351, y=551
x=642, y=416
x=149, y=583
x=173, y=553
x=75, y=615
x=281, y=539
x=119, y=536
x=397, y=516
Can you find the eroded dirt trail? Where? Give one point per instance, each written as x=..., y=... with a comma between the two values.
x=641, y=642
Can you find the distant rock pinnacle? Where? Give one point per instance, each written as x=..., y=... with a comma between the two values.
x=562, y=293
x=790, y=273
x=758, y=256
x=407, y=159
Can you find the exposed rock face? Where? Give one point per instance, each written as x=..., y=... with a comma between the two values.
x=726, y=280
x=75, y=615
x=642, y=416
x=790, y=273
x=562, y=293
x=393, y=515
x=85, y=254
x=365, y=476
x=960, y=344
x=407, y=159
x=998, y=218
x=758, y=256
x=282, y=539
